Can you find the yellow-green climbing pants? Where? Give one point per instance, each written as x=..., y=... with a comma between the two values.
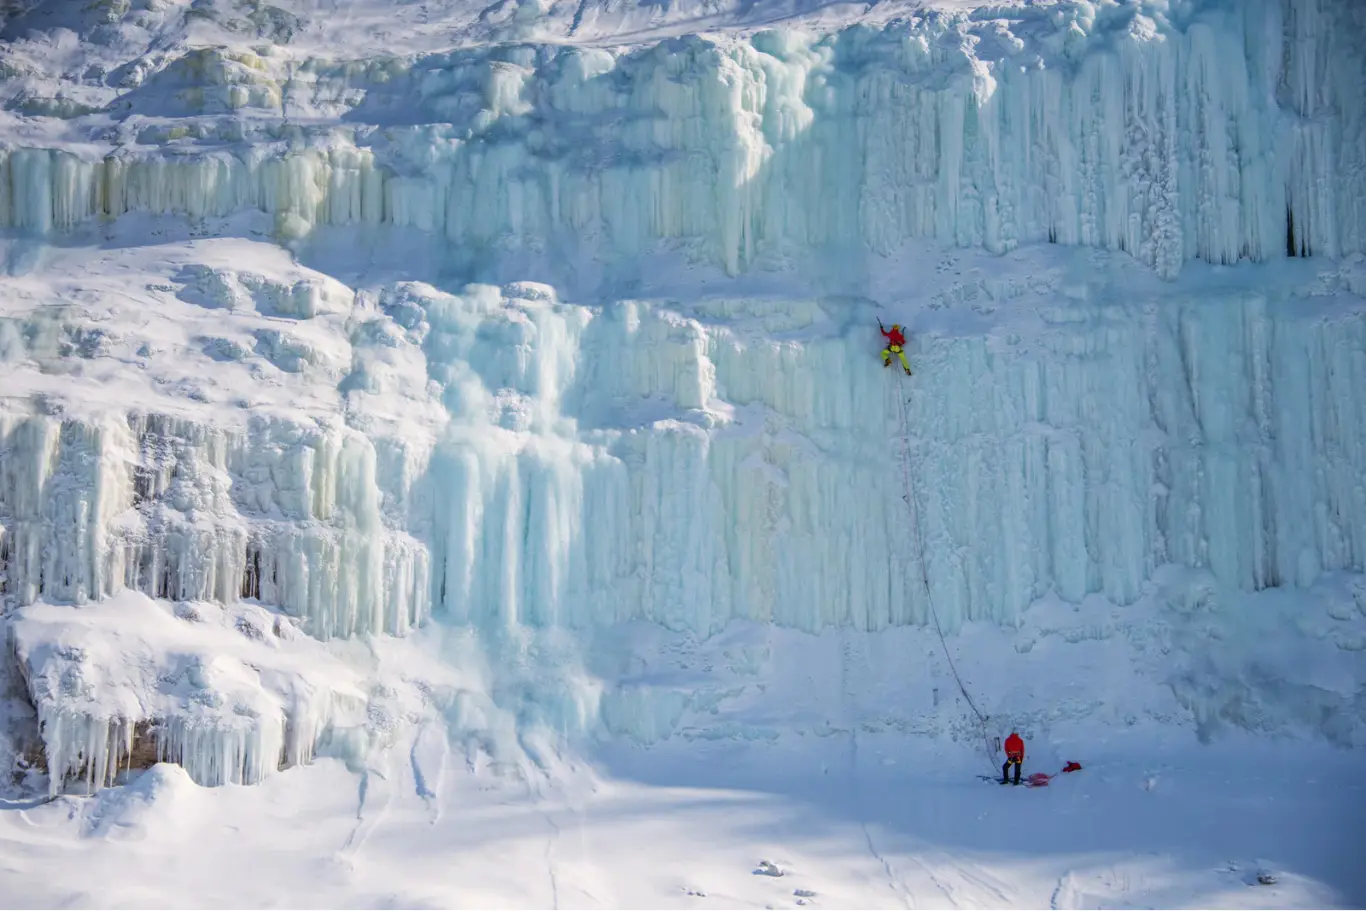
x=895, y=349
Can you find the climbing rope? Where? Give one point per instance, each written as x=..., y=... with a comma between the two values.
x=919, y=537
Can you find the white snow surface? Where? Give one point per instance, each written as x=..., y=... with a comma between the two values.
x=861, y=822
x=464, y=425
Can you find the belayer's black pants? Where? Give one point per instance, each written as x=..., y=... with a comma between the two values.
x=1005, y=771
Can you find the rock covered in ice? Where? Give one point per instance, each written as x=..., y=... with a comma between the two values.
x=215, y=690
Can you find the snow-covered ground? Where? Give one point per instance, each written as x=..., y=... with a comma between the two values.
x=852, y=822
x=455, y=436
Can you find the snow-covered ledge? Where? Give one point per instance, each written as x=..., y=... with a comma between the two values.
x=230, y=693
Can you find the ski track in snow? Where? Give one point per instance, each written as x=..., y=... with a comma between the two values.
x=964, y=884
x=895, y=883
x=1064, y=894
x=550, y=844
x=375, y=796
x=428, y=758
x=850, y=647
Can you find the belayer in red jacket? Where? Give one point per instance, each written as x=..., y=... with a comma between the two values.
x=896, y=341
x=1014, y=754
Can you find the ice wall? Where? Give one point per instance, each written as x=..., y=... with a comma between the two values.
x=232, y=694
x=186, y=511
x=687, y=458
x=694, y=463
x=1219, y=131
x=688, y=465
x=748, y=478
x=731, y=458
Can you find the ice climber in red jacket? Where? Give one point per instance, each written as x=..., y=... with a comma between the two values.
x=896, y=342
x=1014, y=754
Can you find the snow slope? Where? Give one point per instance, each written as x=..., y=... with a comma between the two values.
x=379, y=379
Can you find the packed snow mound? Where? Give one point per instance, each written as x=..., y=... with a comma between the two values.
x=159, y=803
x=1218, y=131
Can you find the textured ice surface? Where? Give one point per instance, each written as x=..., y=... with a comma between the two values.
x=1220, y=131
x=186, y=511
x=692, y=463
x=572, y=349
x=230, y=694
x=731, y=459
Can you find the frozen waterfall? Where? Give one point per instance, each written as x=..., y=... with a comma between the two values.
x=628, y=461
x=1129, y=245
x=1237, y=134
